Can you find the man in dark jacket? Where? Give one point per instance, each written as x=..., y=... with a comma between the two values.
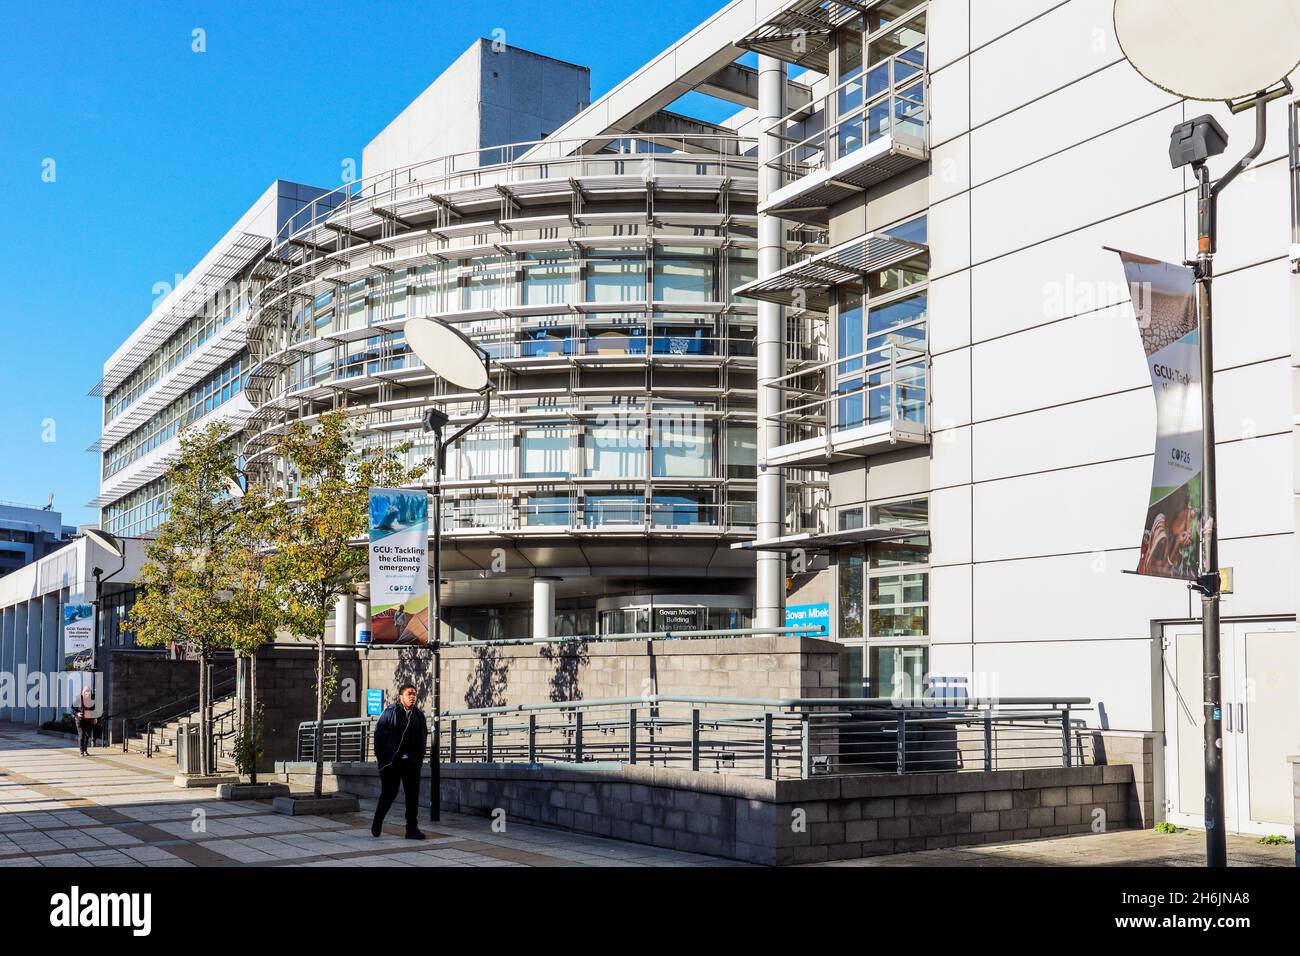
x=400, y=735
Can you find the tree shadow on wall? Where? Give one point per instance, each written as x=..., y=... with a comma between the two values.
x=416, y=669
x=488, y=679
x=569, y=659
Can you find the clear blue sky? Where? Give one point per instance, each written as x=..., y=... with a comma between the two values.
x=158, y=149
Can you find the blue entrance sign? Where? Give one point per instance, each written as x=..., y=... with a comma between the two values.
x=809, y=615
x=374, y=702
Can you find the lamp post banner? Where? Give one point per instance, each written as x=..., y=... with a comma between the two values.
x=399, y=566
x=1164, y=299
x=78, y=636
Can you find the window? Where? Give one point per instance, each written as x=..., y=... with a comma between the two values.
x=612, y=508
x=615, y=275
x=683, y=274
x=544, y=451
x=614, y=444
x=883, y=598
x=742, y=450
x=682, y=443
x=549, y=278
x=489, y=284
x=484, y=453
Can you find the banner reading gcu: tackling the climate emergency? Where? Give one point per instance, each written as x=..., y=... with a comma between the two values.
x=399, y=566
x=1164, y=298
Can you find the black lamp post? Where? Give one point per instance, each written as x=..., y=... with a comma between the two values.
x=448, y=353
x=1191, y=49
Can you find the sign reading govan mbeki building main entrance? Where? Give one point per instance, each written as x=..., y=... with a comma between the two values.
x=1165, y=302
x=399, y=566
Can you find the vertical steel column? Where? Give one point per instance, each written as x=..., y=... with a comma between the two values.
x=769, y=597
x=631, y=735
x=767, y=745
x=695, y=739
x=1065, y=737
x=900, y=734
x=988, y=741
x=577, y=736
x=532, y=738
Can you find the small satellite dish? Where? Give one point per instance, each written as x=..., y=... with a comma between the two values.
x=1208, y=49
x=448, y=353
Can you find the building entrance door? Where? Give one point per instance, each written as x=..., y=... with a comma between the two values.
x=1261, y=724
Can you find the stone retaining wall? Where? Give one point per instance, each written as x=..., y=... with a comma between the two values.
x=777, y=822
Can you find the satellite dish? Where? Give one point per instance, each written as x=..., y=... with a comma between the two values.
x=448, y=353
x=1208, y=49
x=106, y=541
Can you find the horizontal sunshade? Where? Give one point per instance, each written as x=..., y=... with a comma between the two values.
x=825, y=541
x=801, y=32
x=818, y=276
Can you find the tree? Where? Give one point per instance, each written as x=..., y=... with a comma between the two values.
x=320, y=524
x=253, y=609
x=183, y=578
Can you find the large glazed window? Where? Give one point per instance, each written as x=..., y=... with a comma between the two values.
x=615, y=275
x=880, y=76
x=614, y=444
x=549, y=278
x=683, y=274
x=682, y=442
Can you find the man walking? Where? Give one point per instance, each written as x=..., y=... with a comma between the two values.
x=400, y=735
x=83, y=717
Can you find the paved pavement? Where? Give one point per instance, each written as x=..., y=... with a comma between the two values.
x=115, y=809
x=1121, y=848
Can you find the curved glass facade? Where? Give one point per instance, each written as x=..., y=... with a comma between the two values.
x=624, y=367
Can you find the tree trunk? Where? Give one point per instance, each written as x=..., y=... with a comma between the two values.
x=320, y=715
x=203, y=729
x=252, y=713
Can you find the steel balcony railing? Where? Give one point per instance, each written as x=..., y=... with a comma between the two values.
x=888, y=383
x=888, y=99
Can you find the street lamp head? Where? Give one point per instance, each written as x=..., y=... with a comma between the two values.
x=106, y=541
x=448, y=353
x=234, y=487
x=1195, y=141
x=434, y=420
x=1209, y=50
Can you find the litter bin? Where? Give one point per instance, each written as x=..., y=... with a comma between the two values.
x=187, y=749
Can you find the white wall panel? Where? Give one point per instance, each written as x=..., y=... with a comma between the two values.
x=949, y=103
x=950, y=604
x=1069, y=42
x=1072, y=274
x=1065, y=361
x=949, y=312
x=1116, y=675
x=950, y=458
x=1081, y=433
x=1252, y=400
x=1251, y=310
x=992, y=18
x=948, y=27
x=1094, y=508
x=1071, y=597
x=950, y=380
x=1255, y=487
x=1064, y=119
x=1264, y=575
x=950, y=525
x=1088, y=183
x=950, y=220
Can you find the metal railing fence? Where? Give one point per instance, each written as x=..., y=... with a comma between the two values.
x=794, y=738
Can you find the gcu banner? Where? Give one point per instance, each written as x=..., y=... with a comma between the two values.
x=399, y=566
x=1164, y=298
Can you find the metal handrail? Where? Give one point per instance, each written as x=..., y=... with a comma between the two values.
x=778, y=737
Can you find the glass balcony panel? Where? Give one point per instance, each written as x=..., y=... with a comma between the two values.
x=613, y=510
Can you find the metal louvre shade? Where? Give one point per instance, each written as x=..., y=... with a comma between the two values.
x=801, y=32
x=827, y=540
x=816, y=278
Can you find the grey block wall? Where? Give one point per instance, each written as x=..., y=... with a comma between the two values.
x=778, y=822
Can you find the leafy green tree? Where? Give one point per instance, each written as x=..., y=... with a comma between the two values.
x=321, y=523
x=183, y=578
x=253, y=611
